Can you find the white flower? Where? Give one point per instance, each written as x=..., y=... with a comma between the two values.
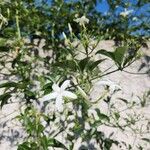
x=70, y=28
x=112, y=86
x=67, y=41
x=58, y=94
x=126, y=12
x=64, y=35
x=82, y=21
x=135, y=19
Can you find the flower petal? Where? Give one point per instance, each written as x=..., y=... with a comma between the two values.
x=52, y=95
x=104, y=82
x=65, y=84
x=55, y=87
x=59, y=103
x=69, y=94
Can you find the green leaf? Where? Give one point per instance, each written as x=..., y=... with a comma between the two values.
x=71, y=64
x=146, y=139
x=130, y=58
x=4, y=49
x=54, y=143
x=44, y=142
x=104, y=117
x=93, y=65
x=3, y=46
x=3, y=41
x=119, y=55
x=106, y=53
x=117, y=115
x=47, y=88
x=40, y=128
x=4, y=98
x=83, y=63
x=101, y=115
x=24, y=146
x=124, y=100
x=108, y=143
x=29, y=94
x=28, y=146
x=8, y=84
x=9, y=32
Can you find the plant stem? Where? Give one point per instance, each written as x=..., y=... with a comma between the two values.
x=105, y=74
x=135, y=73
x=17, y=25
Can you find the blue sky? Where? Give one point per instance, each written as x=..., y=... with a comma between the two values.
x=102, y=7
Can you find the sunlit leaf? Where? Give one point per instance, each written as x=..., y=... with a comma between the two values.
x=119, y=55
x=4, y=98
x=93, y=65
x=8, y=84
x=106, y=53
x=55, y=143
x=83, y=63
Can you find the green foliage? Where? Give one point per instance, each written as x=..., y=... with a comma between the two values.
x=120, y=56
x=117, y=56
x=4, y=98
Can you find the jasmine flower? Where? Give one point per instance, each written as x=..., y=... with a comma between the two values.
x=70, y=28
x=59, y=93
x=82, y=21
x=112, y=86
x=64, y=35
x=126, y=12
